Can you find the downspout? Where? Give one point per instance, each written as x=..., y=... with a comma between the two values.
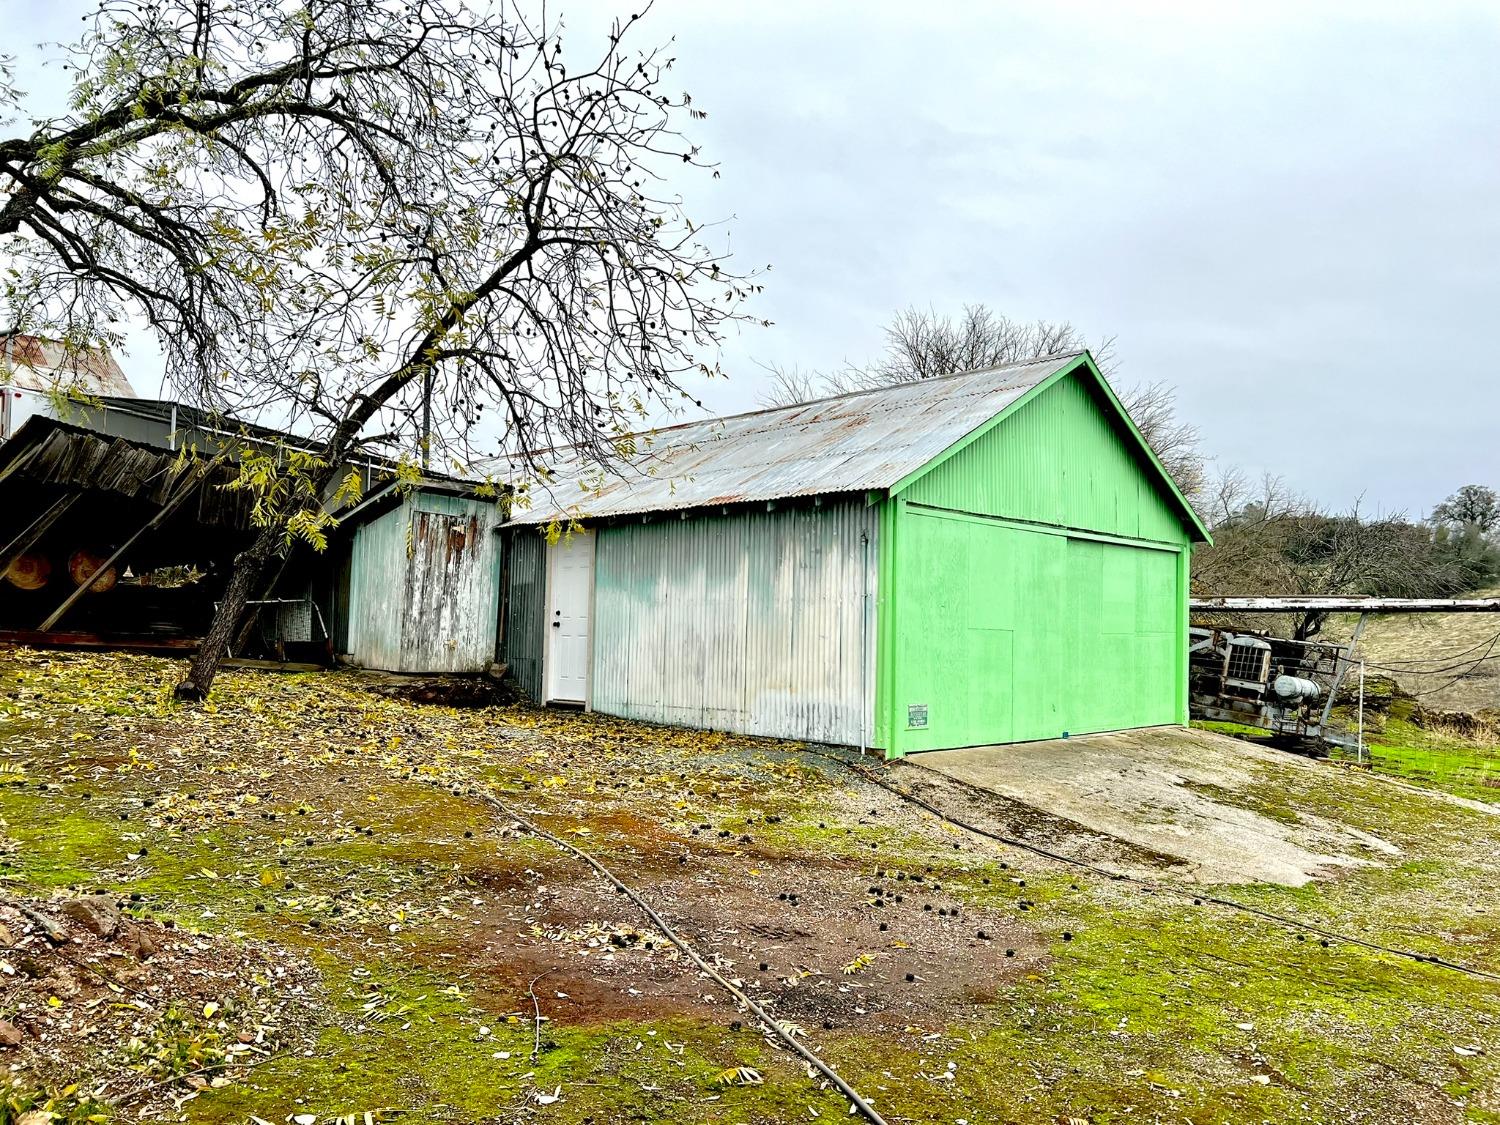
x=864, y=644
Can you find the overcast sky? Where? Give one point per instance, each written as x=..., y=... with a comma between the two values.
x=1289, y=212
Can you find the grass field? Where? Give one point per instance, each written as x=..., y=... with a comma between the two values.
x=1398, y=746
x=1429, y=655
x=343, y=926
x=1464, y=762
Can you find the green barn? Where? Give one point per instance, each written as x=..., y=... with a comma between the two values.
x=995, y=556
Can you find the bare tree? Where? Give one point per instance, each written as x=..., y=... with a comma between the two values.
x=1153, y=409
x=1268, y=540
x=397, y=224
x=921, y=344
x=1472, y=504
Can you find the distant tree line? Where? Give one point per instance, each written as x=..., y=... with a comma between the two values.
x=1267, y=540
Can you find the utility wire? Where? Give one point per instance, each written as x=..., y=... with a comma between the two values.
x=1467, y=669
x=1466, y=665
x=1446, y=655
x=769, y=1023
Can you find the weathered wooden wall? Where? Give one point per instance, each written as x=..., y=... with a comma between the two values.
x=424, y=588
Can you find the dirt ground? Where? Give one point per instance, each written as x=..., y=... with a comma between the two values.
x=342, y=924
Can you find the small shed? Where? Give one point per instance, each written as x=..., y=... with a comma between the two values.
x=418, y=580
x=991, y=557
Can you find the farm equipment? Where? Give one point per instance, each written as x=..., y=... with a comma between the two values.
x=1263, y=681
x=1277, y=684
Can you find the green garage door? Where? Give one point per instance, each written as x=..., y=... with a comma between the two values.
x=1009, y=635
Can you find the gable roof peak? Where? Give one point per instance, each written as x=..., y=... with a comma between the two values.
x=865, y=440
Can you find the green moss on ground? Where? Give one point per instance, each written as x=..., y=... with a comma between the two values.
x=460, y=1062
x=1127, y=1006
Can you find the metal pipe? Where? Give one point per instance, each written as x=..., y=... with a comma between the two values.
x=864, y=642
x=35, y=530
x=1347, y=605
x=1359, y=753
x=196, y=478
x=773, y=1028
x=1342, y=669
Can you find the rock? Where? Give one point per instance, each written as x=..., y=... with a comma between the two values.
x=135, y=941
x=10, y=1034
x=97, y=914
x=7, y=939
x=51, y=929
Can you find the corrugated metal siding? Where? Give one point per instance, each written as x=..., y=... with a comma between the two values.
x=424, y=586
x=749, y=623
x=377, y=569
x=526, y=608
x=452, y=602
x=1060, y=459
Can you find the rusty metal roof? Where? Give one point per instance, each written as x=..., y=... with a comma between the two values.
x=38, y=364
x=865, y=441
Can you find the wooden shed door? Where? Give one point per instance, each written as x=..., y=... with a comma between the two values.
x=452, y=586
x=1008, y=635
x=570, y=602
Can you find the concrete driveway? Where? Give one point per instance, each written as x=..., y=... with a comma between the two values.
x=1222, y=806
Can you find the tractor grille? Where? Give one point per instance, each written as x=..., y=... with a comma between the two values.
x=1246, y=663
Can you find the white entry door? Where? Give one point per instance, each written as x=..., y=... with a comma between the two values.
x=571, y=594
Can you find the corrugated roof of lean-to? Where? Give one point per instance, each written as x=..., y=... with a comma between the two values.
x=864, y=441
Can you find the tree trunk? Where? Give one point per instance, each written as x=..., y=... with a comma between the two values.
x=267, y=590
x=249, y=565
x=1309, y=625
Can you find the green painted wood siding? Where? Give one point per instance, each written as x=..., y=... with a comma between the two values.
x=1033, y=583
x=1007, y=634
x=1059, y=459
